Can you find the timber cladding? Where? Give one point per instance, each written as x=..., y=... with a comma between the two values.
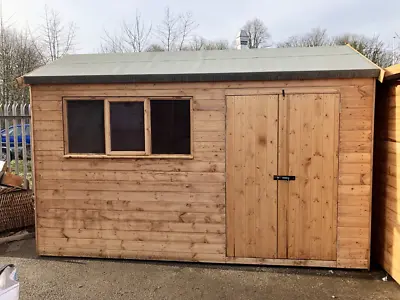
x=386, y=204
x=175, y=208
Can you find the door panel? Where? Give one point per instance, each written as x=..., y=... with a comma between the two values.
x=311, y=155
x=252, y=139
x=294, y=219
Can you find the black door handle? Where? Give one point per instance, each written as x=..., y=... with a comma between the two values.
x=285, y=177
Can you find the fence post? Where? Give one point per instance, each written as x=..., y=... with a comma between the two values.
x=15, y=135
x=7, y=129
x=1, y=126
x=23, y=134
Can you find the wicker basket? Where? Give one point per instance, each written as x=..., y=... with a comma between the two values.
x=16, y=208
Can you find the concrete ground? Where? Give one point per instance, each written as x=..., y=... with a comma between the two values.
x=66, y=278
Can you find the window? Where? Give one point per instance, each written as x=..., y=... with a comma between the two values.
x=85, y=131
x=127, y=126
x=122, y=126
x=170, y=126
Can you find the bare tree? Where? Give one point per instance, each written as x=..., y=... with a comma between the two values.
x=112, y=43
x=56, y=37
x=133, y=37
x=174, y=30
x=168, y=30
x=196, y=44
x=137, y=34
x=372, y=48
x=396, y=49
x=187, y=26
x=199, y=43
x=316, y=37
x=18, y=56
x=258, y=33
x=217, y=45
x=155, y=48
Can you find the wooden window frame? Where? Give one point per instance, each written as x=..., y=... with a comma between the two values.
x=107, y=126
x=65, y=124
x=107, y=129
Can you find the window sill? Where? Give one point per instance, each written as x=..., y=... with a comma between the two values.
x=164, y=156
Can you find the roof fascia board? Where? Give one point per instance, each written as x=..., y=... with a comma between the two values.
x=392, y=72
x=260, y=76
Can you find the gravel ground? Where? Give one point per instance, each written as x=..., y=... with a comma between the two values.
x=65, y=278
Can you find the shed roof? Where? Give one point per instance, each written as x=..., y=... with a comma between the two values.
x=217, y=65
x=392, y=72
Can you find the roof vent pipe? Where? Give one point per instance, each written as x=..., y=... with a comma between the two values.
x=242, y=40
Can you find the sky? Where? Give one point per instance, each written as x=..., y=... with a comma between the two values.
x=217, y=19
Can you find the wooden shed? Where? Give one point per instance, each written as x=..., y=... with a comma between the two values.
x=386, y=190
x=240, y=156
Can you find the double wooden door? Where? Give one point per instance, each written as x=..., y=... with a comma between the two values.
x=273, y=135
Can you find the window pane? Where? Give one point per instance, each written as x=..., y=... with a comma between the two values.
x=127, y=126
x=85, y=126
x=170, y=126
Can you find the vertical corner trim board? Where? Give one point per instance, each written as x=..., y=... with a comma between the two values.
x=173, y=209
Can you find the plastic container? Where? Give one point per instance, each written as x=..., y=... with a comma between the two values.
x=9, y=285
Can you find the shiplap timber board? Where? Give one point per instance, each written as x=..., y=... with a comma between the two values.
x=159, y=186
x=132, y=226
x=133, y=176
x=132, y=205
x=133, y=245
x=101, y=215
x=355, y=157
x=355, y=179
x=158, y=165
x=207, y=238
x=217, y=198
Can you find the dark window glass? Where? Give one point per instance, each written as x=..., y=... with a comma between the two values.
x=127, y=126
x=85, y=120
x=170, y=126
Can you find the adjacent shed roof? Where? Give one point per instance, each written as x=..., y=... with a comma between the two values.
x=190, y=66
x=392, y=72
